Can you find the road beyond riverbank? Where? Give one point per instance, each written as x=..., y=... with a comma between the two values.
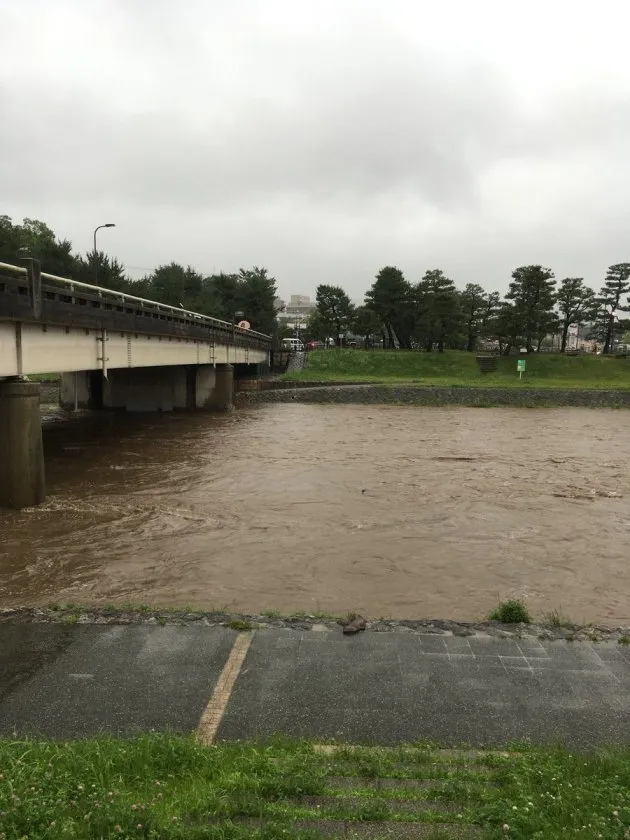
x=378, y=688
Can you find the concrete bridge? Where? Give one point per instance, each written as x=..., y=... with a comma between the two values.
x=113, y=350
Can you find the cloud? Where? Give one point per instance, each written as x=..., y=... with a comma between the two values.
x=322, y=140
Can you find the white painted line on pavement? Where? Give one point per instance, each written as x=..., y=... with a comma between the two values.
x=214, y=711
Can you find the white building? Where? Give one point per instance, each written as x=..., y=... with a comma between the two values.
x=296, y=312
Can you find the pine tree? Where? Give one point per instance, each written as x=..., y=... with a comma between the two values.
x=391, y=298
x=576, y=303
x=609, y=301
x=532, y=291
x=439, y=309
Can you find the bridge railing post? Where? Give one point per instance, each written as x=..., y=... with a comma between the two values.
x=34, y=274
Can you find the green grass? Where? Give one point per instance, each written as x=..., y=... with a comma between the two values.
x=458, y=368
x=44, y=377
x=171, y=788
x=556, y=619
x=511, y=612
x=240, y=625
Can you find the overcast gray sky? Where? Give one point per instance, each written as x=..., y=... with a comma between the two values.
x=323, y=138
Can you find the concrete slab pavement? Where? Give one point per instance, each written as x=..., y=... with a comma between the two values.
x=377, y=688
x=87, y=679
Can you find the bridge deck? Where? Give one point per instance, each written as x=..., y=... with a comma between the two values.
x=28, y=296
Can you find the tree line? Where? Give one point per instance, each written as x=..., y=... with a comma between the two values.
x=433, y=314
x=251, y=292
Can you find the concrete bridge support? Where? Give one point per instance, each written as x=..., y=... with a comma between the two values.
x=82, y=389
x=146, y=389
x=21, y=449
x=164, y=388
x=222, y=396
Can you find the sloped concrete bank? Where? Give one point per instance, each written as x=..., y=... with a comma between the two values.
x=429, y=395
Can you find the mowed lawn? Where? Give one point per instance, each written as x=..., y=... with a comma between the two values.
x=169, y=787
x=459, y=368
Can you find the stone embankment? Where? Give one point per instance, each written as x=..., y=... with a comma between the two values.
x=370, y=394
x=319, y=622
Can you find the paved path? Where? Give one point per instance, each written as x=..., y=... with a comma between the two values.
x=382, y=688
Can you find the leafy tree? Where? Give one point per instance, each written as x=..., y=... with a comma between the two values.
x=616, y=285
x=256, y=295
x=491, y=309
x=220, y=296
x=223, y=291
x=35, y=239
x=365, y=323
x=503, y=327
x=335, y=309
x=314, y=328
x=439, y=312
x=532, y=292
x=208, y=301
x=193, y=282
x=140, y=288
x=576, y=303
x=110, y=275
x=474, y=307
x=168, y=284
x=9, y=240
x=391, y=298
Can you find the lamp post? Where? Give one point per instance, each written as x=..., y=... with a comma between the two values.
x=237, y=317
x=108, y=224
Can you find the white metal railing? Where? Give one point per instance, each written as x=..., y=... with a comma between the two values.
x=123, y=296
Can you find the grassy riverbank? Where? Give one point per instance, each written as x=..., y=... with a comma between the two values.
x=460, y=369
x=169, y=787
x=44, y=377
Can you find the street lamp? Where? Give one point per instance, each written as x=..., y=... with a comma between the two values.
x=108, y=224
x=237, y=317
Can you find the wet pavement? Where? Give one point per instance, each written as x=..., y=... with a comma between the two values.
x=380, y=688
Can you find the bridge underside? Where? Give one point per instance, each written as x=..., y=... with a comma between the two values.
x=151, y=389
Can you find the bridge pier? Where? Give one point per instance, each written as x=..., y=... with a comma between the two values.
x=81, y=389
x=164, y=388
x=221, y=397
x=161, y=388
x=21, y=449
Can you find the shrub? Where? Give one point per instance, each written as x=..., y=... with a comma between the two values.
x=511, y=612
x=240, y=625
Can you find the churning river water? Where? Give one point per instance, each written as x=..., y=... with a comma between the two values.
x=403, y=512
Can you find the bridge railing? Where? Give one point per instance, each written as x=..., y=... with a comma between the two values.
x=28, y=294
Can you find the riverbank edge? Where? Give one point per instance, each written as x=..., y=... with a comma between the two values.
x=471, y=396
x=71, y=614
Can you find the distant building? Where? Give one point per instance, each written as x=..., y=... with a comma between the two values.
x=296, y=312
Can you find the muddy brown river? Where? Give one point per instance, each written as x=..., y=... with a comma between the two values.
x=392, y=511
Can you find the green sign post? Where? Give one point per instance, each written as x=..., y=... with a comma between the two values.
x=520, y=367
